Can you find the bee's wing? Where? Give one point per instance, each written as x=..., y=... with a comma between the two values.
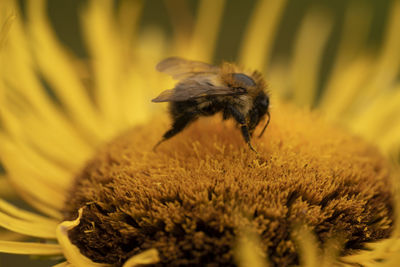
x=195, y=88
x=180, y=68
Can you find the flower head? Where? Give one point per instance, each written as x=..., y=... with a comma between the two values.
x=192, y=198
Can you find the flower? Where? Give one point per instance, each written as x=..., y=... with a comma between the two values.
x=192, y=198
x=54, y=119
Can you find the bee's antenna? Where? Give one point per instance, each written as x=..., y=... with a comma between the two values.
x=266, y=125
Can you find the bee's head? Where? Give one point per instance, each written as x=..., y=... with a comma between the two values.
x=261, y=103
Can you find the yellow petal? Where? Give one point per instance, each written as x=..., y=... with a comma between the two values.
x=71, y=252
x=63, y=264
x=383, y=114
x=357, y=20
x=149, y=256
x=26, y=177
x=6, y=190
x=248, y=251
x=136, y=107
x=6, y=235
x=59, y=72
x=19, y=73
x=37, y=229
x=29, y=248
x=104, y=46
x=342, y=91
x=39, y=205
x=27, y=156
x=390, y=141
x=388, y=63
x=23, y=214
x=311, y=41
x=181, y=19
x=259, y=35
x=129, y=13
x=35, y=189
x=308, y=250
x=137, y=88
x=206, y=29
x=5, y=27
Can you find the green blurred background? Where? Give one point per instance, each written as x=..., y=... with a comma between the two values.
x=64, y=15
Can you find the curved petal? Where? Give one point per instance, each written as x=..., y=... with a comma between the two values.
x=63, y=264
x=71, y=252
x=73, y=255
x=149, y=256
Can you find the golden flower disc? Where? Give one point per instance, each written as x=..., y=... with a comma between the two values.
x=193, y=197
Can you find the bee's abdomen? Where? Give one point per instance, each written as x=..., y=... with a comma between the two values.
x=208, y=108
x=200, y=107
x=177, y=109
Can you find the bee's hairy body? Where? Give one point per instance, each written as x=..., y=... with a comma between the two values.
x=205, y=90
x=207, y=107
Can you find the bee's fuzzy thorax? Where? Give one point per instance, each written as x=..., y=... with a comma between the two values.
x=226, y=77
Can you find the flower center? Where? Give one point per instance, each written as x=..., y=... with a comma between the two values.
x=192, y=197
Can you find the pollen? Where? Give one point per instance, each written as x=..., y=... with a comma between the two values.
x=192, y=198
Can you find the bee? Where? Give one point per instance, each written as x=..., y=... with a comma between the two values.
x=204, y=90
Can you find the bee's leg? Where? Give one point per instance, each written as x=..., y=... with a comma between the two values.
x=254, y=120
x=239, y=117
x=226, y=114
x=246, y=136
x=178, y=125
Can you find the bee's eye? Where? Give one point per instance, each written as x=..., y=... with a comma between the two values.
x=243, y=79
x=265, y=102
x=262, y=100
